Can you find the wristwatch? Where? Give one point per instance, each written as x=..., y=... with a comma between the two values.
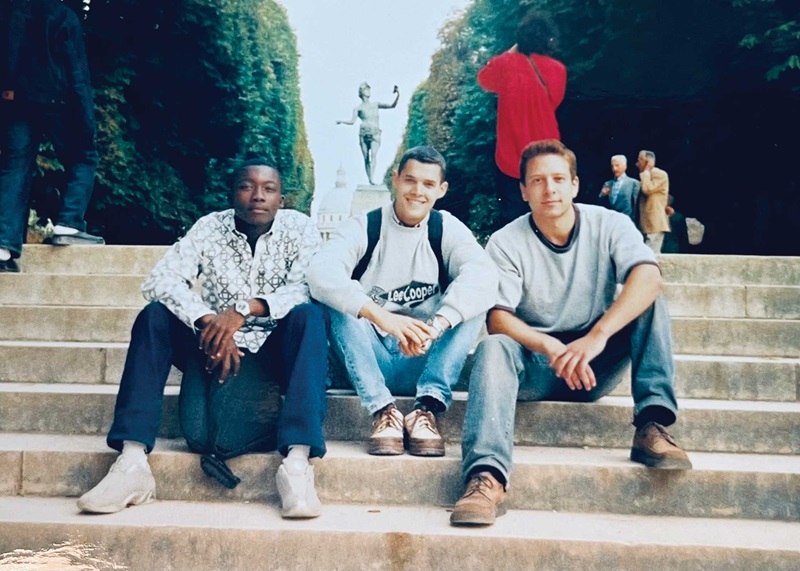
x=242, y=308
x=436, y=324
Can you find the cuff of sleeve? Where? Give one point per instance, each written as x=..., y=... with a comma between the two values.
x=640, y=263
x=449, y=313
x=354, y=307
x=195, y=314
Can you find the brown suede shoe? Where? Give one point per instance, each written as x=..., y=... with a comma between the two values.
x=387, y=433
x=423, y=434
x=481, y=503
x=654, y=447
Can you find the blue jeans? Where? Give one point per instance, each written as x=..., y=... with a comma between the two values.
x=505, y=372
x=378, y=369
x=20, y=133
x=297, y=349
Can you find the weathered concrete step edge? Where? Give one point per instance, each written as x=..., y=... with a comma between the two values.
x=90, y=259
x=697, y=376
x=189, y=535
x=704, y=425
x=561, y=479
x=718, y=336
x=708, y=269
x=717, y=269
x=124, y=290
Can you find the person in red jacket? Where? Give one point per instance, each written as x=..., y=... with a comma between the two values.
x=530, y=85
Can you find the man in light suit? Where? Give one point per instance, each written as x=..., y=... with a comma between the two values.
x=622, y=192
x=653, y=203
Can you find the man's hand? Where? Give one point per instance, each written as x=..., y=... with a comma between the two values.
x=225, y=363
x=606, y=190
x=218, y=330
x=412, y=334
x=572, y=364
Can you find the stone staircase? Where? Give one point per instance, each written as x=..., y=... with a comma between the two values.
x=576, y=501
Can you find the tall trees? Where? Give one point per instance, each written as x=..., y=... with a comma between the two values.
x=184, y=89
x=675, y=77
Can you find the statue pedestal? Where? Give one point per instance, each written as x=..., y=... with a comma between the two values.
x=369, y=197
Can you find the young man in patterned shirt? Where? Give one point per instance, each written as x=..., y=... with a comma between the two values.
x=253, y=259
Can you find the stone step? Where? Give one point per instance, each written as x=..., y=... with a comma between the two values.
x=735, y=301
x=697, y=376
x=206, y=535
x=694, y=269
x=37, y=259
x=718, y=336
x=561, y=479
x=124, y=290
x=719, y=270
x=704, y=425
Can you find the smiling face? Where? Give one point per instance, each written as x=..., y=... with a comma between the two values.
x=418, y=186
x=549, y=188
x=258, y=196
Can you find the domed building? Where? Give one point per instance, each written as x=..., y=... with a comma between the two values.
x=335, y=206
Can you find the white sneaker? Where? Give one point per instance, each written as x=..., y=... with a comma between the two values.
x=126, y=484
x=423, y=435
x=298, y=496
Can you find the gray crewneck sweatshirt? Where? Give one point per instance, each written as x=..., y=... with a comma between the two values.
x=403, y=274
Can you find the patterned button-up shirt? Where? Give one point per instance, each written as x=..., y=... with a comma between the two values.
x=218, y=253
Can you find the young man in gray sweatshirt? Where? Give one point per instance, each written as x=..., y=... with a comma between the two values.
x=407, y=323
x=558, y=333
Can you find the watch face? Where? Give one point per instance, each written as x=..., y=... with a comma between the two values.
x=242, y=307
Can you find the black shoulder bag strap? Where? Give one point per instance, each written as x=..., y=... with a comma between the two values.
x=539, y=75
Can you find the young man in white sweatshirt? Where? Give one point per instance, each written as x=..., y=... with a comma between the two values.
x=405, y=314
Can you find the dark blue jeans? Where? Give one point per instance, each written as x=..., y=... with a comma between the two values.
x=21, y=130
x=297, y=348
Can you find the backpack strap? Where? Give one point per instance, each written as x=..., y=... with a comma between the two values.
x=374, y=219
x=435, y=231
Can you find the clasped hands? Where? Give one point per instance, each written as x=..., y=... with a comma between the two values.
x=571, y=361
x=216, y=341
x=414, y=336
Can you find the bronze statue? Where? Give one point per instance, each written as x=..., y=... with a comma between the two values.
x=369, y=133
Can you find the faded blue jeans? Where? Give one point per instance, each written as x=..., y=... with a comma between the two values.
x=377, y=369
x=505, y=372
x=21, y=130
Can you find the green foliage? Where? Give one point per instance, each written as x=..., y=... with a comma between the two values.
x=185, y=90
x=777, y=38
x=672, y=76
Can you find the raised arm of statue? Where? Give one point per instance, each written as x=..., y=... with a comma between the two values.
x=393, y=104
x=352, y=120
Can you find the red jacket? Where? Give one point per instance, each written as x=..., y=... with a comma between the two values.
x=526, y=112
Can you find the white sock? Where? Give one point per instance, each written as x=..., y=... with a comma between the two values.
x=64, y=230
x=4, y=254
x=297, y=459
x=134, y=452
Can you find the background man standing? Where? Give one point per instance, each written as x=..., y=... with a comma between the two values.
x=653, y=218
x=44, y=88
x=622, y=192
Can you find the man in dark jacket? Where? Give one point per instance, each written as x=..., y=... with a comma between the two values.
x=44, y=89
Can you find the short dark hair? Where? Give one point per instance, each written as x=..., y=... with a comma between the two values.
x=547, y=147
x=424, y=154
x=537, y=33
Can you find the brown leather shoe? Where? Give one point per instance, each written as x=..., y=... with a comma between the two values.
x=654, y=447
x=482, y=503
x=423, y=435
x=387, y=433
